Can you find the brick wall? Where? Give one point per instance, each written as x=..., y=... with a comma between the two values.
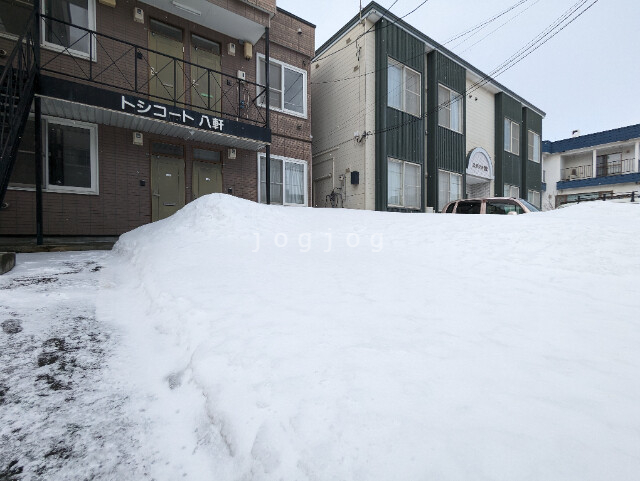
x=123, y=204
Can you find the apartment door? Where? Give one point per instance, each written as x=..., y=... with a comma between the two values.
x=167, y=180
x=207, y=179
x=207, y=172
x=206, y=81
x=166, y=81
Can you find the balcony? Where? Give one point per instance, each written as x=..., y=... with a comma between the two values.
x=98, y=78
x=608, y=172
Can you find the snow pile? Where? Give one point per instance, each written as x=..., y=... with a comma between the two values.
x=304, y=344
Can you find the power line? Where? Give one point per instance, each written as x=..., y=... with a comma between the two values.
x=551, y=31
x=495, y=29
x=481, y=25
x=371, y=29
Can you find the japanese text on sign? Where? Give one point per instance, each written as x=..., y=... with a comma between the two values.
x=180, y=116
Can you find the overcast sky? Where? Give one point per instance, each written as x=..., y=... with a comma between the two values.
x=587, y=77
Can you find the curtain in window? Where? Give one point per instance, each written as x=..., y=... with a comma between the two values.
x=456, y=112
x=412, y=185
x=515, y=138
x=507, y=135
x=412, y=93
x=394, y=195
x=275, y=181
x=394, y=86
x=443, y=189
x=455, y=187
x=444, y=111
x=536, y=147
x=294, y=183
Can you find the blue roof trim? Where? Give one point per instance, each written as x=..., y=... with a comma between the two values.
x=592, y=140
x=610, y=180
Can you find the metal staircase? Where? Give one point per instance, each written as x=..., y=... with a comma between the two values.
x=17, y=87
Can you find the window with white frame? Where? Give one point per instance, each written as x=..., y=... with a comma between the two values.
x=450, y=105
x=61, y=32
x=403, y=88
x=511, y=190
x=403, y=184
x=533, y=197
x=449, y=187
x=288, y=180
x=14, y=15
x=511, y=136
x=287, y=87
x=71, y=150
x=533, y=146
x=72, y=156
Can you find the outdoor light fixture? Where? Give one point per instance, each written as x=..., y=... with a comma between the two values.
x=186, y=8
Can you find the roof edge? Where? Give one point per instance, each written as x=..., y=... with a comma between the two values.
x=373, y=6
x=300, y=19
x=604, y=137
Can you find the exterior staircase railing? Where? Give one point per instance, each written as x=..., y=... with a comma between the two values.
x=17, y=88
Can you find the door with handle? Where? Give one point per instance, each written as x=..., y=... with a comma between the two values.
x=167, y=186
x=206, y=80
x=166, y=76
x=207, y=178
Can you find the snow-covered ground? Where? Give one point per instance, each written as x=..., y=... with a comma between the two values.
x=249, y=342
x=60, y=418
x=278, y=343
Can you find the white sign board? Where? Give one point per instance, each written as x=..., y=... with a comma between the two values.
x=480, y=164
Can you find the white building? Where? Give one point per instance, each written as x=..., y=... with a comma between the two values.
x=587, y=167
x=401, y=123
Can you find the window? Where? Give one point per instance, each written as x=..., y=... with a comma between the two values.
x=24, y=170
x=533, y=197
x=403, y=184
x=511, y=190
x=533, y=146
x=287, y=87
x=206, y=155
x=449, y=188
x=72, y=153
x=288, y=180
x=469, y=207
x=14, y=15
x=449, y=109
x=403, y=88
x=503, y=207
x=511, y=136
x=61, y=36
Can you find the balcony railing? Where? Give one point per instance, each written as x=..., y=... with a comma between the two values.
x=603, y=169
x=90, y=57
x=577, y=172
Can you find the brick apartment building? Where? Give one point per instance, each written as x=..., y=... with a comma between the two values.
x=145, y=106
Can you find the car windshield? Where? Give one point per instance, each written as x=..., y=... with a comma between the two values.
x=531, y=207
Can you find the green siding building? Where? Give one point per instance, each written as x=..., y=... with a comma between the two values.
x=400, y=123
